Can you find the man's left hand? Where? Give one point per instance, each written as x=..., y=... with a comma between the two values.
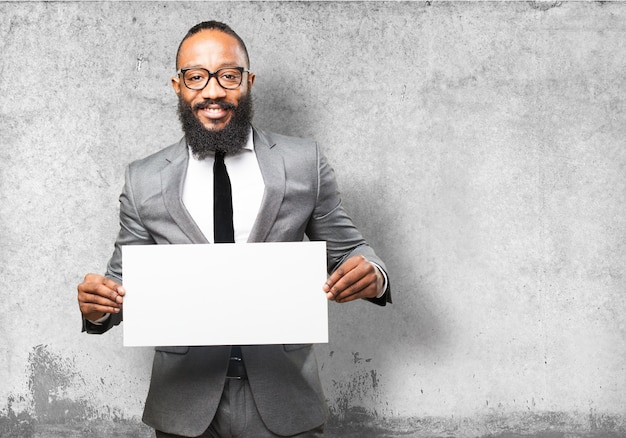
x=355, y=278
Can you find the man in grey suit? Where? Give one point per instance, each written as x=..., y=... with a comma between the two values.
x=281, y=189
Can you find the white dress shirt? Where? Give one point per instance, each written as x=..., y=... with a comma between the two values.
x=247, y=189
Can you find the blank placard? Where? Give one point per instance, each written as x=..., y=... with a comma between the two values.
x=225, y=294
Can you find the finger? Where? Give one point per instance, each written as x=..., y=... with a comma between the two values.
x=104, y=287
x=359, y=283
x=352, y=282
x=112, y=285
x=94, y=311
x=342, y=270
x=332, y=279
x=89, y=309
x=100, y=294
x=90, y=303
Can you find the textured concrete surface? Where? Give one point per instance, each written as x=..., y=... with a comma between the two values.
x=479, y=147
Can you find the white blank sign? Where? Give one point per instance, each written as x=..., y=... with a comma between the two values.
x=225, y=294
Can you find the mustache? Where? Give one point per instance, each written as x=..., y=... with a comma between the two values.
x=205, y=104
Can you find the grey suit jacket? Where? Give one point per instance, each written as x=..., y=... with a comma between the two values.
x=300, y=198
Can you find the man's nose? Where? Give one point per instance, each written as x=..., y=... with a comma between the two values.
x=213, y=90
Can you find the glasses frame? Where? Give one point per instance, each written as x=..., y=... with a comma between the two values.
x=215, y=74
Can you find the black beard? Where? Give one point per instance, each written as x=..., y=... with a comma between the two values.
x=229, y=140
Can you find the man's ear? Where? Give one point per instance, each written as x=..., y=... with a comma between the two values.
x=176, y=85
x=251, y=78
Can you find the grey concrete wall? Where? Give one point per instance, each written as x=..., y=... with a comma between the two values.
x=479, y=147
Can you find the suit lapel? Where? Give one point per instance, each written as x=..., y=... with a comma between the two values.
x=172, y=183
x=273, y=171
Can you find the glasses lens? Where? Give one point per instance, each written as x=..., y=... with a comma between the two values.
x=229, y=77
x=196, y=79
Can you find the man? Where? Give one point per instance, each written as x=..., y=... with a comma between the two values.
x=282, y=188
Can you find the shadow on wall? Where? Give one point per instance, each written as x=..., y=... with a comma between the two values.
x=280, y=109
x=358, y=403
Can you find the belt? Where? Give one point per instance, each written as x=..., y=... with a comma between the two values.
x=236, y=367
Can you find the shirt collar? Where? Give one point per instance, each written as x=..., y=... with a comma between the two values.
x=250, y=143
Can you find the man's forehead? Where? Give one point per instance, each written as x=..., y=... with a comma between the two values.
x=211, y=46
x=211, y=42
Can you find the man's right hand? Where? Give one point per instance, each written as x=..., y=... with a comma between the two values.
x=98, y=295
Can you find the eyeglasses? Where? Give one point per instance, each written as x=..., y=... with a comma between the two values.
x=196, y=78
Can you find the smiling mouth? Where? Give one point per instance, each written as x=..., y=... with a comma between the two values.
x=214, y=110
x=214, y=113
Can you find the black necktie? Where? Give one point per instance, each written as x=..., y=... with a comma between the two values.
x=223, y=231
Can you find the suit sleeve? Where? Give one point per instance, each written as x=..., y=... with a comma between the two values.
x=132, y=232
x=330, y=222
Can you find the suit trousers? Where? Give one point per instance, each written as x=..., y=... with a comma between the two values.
x=238, y=417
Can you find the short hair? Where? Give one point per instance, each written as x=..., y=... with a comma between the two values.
x=214, y=25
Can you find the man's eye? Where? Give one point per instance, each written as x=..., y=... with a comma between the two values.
x=195, y=76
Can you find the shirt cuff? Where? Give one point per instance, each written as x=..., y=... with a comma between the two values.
x=100, y=321
x=385, y=280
